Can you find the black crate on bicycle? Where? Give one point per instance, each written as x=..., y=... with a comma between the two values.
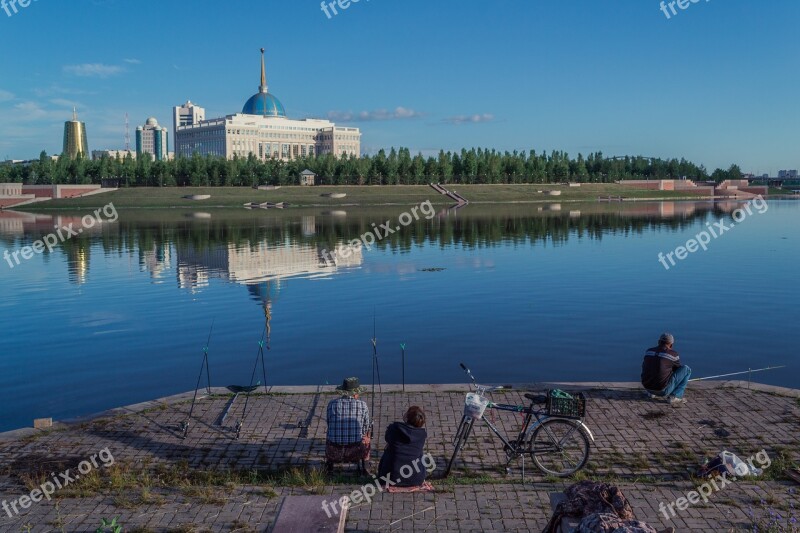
x=562, y=404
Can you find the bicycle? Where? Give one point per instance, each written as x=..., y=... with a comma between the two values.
x=558, y=441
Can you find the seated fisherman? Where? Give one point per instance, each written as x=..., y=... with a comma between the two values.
x=663, y=375
x=348, y=439
x=405, y=445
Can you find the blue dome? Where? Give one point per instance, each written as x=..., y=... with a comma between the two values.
x=264, y=104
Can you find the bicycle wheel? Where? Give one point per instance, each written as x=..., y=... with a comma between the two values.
x=559, y=447
x=461, y=437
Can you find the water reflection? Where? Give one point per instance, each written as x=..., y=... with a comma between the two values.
x=251, y=248
x=526, y=292
x=253, y=263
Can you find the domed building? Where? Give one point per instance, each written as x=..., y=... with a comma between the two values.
x=152, y=139
x=75, y=137
x=262, y=103
x=262, y=129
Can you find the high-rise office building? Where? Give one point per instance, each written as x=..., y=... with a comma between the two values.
x=75, y=137
x=186, y=115
x=152, y=139
x=263, y=129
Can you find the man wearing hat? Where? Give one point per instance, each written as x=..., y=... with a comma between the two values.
x=663, y=375
x=348, y=439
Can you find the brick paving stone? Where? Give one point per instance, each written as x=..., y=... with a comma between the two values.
x=646, y=445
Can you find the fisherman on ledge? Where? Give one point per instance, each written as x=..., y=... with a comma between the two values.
x=663, y=375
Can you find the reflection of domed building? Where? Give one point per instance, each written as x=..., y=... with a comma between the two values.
x=254, y=263
x=262, y=129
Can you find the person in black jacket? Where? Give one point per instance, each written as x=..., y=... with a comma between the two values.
x=403, y=457
x=663, y=374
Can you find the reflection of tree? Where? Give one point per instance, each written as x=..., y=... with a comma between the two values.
x=471, y=231
x=471, y=228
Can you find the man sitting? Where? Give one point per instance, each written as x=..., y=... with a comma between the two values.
x=348, y=439
x=662, y=373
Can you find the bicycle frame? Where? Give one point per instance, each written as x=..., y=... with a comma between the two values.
x=530, y=413
x=516, y=447
x=536, y=420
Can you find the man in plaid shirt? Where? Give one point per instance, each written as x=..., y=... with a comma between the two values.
x=348, y=426
x=348, y=420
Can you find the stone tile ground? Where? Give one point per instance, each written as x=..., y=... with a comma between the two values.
x=643, y=446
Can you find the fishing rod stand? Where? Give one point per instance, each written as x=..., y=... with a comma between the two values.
x=376, y=372
x=259, y=358
x=203, y=367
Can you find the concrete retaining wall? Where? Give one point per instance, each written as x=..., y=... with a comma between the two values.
x=60, y=191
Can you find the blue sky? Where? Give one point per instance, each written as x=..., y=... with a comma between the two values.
x=717, y=83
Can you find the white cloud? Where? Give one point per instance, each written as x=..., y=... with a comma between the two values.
x=60, y=90
x=93, y=70
x=133, y=61
x=470, y=119
x=63, y=102
x=5, y=96
x=399, y=113
x=30, y=111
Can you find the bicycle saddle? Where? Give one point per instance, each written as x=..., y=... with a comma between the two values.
x=538, y=398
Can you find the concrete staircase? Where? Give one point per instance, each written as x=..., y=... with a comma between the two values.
x=460, y=200
x=738, y=189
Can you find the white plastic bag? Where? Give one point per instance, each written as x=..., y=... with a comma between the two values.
x=739, y=467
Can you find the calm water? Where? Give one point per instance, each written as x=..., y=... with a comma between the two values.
x=573, y=292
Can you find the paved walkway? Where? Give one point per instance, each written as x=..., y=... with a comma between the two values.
x=159, y=482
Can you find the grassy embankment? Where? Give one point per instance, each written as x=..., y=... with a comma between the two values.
x=356, y=196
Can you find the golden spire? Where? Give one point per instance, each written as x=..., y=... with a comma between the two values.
x=263, y=87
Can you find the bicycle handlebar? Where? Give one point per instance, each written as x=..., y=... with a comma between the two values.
x=486, y=388
x=480, y=388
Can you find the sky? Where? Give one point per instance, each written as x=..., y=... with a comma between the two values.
x=716, y=83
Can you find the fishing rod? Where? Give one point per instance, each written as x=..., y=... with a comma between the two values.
x=251, y=388
x=375, y=370
x=268, y=316
x=750, y=371
x=203, y=365
x=403, y=364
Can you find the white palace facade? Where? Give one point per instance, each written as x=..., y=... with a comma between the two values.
x=263, y=129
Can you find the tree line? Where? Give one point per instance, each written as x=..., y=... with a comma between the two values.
x=397, y=167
